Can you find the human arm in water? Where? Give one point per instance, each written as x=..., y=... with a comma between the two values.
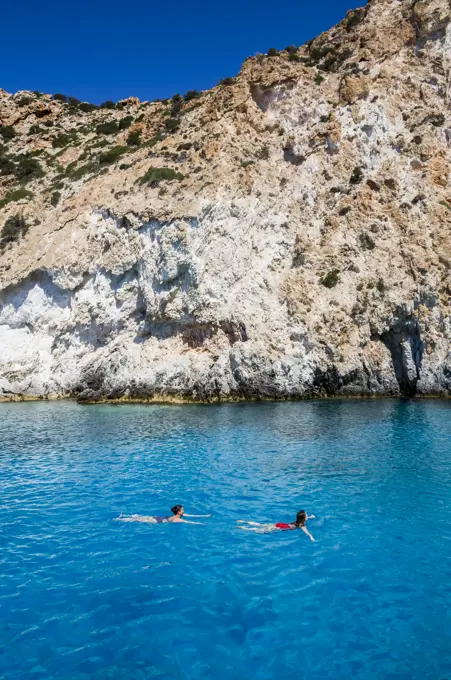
x=185, y=515
x=307, y=532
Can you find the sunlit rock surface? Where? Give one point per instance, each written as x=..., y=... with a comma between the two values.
x=305, y=248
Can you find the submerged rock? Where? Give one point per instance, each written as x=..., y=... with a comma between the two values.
x=286, y=234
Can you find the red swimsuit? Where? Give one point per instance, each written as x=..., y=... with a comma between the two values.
x=284, y=526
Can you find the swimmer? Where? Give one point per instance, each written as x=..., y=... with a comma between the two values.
x=177, y=516
x=301, y=519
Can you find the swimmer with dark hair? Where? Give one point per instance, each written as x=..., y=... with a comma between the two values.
x=177, y=516
x=301, y=519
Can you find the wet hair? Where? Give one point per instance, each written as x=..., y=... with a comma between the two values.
x=300, y=518
x=176, y=509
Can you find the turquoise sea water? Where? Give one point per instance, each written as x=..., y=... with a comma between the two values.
x=83, y=596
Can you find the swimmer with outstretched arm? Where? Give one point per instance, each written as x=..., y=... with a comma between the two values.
x=301, y=519
x=177, y=516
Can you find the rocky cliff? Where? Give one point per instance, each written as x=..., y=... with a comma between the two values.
x=285, y=234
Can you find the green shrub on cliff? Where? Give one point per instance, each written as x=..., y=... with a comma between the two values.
x=16, y=195
x=35, y=130
x=192, y=94
x=55, y=198
x=172, y=124
x=14, y=227
x=125, y=122
x=24, y=101
x=28, y=168
x=63, y=139
x=7, y=132
x=227, y=81
x=86, y=107
x=112, y=155
x=330, y=279
x=110, y=128
x=153, y=140
x=381, y=287
x=176, y=104
x=78, y=173
x=134, y=138
x=99, y=144
x=357, y=175
x=367, y=242
x=155, y=175
x=7, y=167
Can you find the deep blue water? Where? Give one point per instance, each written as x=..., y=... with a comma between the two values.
x=85, y=597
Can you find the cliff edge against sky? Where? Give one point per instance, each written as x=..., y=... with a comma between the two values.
x=285, y=234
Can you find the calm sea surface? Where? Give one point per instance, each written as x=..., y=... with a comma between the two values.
x=85, y=597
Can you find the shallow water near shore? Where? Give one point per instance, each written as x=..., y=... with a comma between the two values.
x=83, y=596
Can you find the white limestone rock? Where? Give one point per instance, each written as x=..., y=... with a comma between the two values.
x=306, y=250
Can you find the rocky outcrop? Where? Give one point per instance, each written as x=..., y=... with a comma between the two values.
x=284, y=235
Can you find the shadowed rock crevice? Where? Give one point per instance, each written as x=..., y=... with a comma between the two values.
x=430, y=19
x=39, y=279
x=264, y=97
x=403, y=340
x=194, y=333
x=331, y=381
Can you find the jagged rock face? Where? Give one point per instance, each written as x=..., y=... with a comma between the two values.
x=305, y=251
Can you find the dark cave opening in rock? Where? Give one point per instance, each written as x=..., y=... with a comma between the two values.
x=403, y=340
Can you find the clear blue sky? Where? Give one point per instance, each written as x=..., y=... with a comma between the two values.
x=106, y=49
